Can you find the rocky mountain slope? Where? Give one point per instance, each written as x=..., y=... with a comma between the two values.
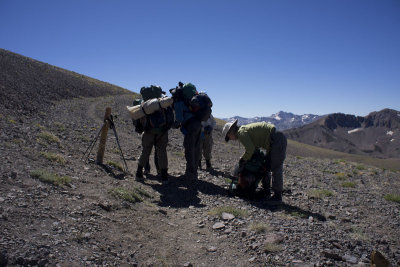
x=56, y=209
x=282, y=120
x=377, y=134
x=27, y=84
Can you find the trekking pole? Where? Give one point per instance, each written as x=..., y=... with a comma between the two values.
x=92, y=144
x=112, y=126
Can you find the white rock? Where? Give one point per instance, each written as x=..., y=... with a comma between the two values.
x=218, y=226
x=227, y=216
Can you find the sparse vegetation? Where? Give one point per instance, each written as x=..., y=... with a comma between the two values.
x=236, y=212
x=116, y=165
x=349, y=184
x=228, y=180
x=259, y=227
x=360, y=167
x=143, y=192
x=320, y=193
x=126, y=194
x=48, y=138
x=341, y=175
x=269, y=247
x=180, y=154
x=50, y=178
x=339, y=161
x=39, y=126
x=392, y=197
x=54, y=157
x=17, y=141
x=358, y=234
x=59, y=126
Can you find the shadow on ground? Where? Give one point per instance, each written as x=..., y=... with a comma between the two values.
x=181, y=192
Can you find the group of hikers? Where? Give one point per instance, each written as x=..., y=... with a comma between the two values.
x=265, y=147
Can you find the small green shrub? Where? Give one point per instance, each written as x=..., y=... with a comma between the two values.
x=320, y=193
x=60, y=126
x=298, y=214
x=236, y=212
x=180, y=154
x=125, y=194
x=270, y=247
x=39, y=126
x=360, y=167
x=349, y=184
x=228, y=180
x=338, y=161
x=341, y=175
x=259, y=227
x=299, y=157
x=53, y=157
x=115, y=165
x=50, y=178
x=48, y=137
x=143, y=192
x=392, y=197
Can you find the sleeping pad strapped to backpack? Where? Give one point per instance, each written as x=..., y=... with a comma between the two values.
x=160, y=119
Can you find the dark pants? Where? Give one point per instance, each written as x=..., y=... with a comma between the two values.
x=159, y=141
x=275, y=159
x=191, y=143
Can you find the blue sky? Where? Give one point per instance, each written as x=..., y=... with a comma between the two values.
x=253, y=58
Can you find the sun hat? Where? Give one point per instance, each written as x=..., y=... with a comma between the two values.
x=227, y=127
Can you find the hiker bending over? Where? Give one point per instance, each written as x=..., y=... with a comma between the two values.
x=261, y=135
x=191, y=108
x=206, y=141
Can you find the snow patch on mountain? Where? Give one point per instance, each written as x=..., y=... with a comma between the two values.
x=353, y=131
x=282, y=120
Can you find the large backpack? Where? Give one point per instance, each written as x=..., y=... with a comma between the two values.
x=162, y=118
x=201, y=106
x=248, y=179
x=199, y=103
x=151, y=92
x=183, y=92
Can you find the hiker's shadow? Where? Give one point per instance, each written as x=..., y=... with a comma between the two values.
x=181, y=192
x=287, y=208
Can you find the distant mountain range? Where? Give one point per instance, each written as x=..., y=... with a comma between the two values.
x=282, y=120
x=377, y=134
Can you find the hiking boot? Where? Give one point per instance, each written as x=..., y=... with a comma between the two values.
x=164, y=176
x=208, y=164
x=147, y=168
x=191, y=175
x=277, y=197
x=139, y=173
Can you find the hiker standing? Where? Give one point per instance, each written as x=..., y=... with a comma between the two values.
x=190, y=109
x=156, y=126
x=207, y=140
x=261, y=135
x=139, y=128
